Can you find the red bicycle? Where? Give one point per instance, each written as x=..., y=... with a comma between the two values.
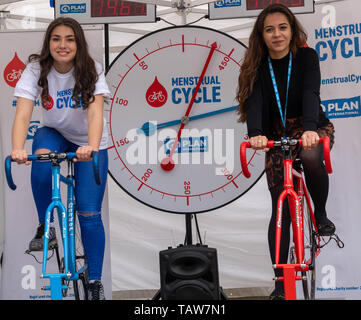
x=306, y=241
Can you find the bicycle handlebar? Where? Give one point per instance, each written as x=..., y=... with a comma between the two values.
x=290, y=142
x=52, y=156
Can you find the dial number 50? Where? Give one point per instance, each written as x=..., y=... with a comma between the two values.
x=143, y=65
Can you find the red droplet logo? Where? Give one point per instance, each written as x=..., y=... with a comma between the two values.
x=13, y=71
x=49, y=104
x=156, y=94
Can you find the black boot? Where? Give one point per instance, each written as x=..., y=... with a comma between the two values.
x=325, y=227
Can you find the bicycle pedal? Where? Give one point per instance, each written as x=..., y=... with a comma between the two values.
x=33, y=250
x=339, y=242
x=53, y=244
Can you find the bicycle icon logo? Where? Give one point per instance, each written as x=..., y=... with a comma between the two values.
x=14, y=75
x=156, y=96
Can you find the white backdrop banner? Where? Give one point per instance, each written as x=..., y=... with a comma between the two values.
x=334, y=31
x=239, y=230
x=20, y=276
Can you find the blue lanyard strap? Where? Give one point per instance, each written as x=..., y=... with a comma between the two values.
x=283, y=116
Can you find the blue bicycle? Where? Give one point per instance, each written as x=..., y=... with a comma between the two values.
x=72, y=266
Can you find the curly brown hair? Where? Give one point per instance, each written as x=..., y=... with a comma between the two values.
x=257, y=51
x=85, y=73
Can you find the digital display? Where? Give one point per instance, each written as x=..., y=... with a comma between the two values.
x=261, y=4
x=117, y=8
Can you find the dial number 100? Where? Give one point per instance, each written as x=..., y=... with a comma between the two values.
x=122, y=102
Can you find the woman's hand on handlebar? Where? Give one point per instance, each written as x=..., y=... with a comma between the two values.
x=83, y=153
x=20, y=156
x=259, y=143
x=310, y=139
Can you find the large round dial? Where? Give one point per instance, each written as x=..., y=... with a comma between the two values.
x=172, y=120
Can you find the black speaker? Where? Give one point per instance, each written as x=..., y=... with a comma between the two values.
x=189, y=273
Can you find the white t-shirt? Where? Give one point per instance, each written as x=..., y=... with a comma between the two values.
x=72, y=123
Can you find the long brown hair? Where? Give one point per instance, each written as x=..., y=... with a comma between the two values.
x=257, y=50
x=85, y=73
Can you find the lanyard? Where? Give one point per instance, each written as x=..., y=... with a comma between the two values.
x=283, y=116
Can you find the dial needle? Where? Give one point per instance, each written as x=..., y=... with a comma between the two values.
x=167, y=163
x=148, y=128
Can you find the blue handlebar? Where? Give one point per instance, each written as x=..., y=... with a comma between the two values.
x=50, y=156
x=8, y=175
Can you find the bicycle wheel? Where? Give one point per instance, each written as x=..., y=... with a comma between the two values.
x=63, y=281
x=309, y=277
x=80, y=285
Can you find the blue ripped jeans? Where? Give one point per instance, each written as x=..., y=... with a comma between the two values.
x=89, y=196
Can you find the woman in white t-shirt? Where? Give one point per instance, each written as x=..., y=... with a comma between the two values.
x=72, y=87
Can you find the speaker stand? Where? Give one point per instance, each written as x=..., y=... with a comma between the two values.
x=188, y=242
x=188, y=218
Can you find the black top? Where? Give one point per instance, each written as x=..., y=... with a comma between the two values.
x=303, y=97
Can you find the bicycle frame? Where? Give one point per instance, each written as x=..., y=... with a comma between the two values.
x=66, y=222
x=296, y=205
x=65, y=217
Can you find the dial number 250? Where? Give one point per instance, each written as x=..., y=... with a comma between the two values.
x=187, y=187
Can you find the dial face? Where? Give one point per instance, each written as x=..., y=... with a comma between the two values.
x=174, y=134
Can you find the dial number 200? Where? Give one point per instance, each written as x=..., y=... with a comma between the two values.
x=147, y=174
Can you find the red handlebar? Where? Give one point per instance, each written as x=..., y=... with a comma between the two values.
x=271, y=143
